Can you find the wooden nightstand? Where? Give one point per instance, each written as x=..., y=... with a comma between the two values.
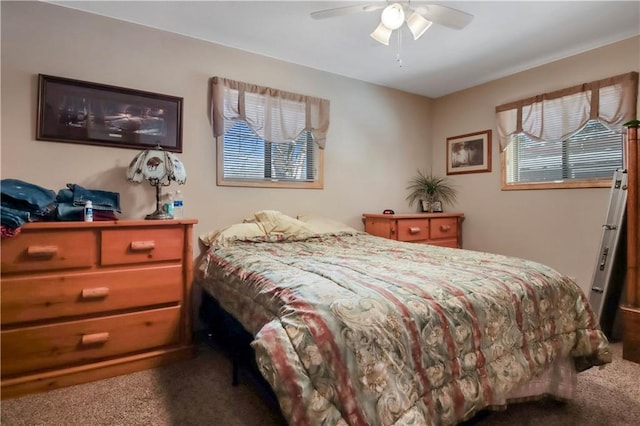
x=83, y=301
x=441, y=229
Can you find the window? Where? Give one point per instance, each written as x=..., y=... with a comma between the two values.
x=591, y=155
x=248, y=159
x=268, y=137
x=571, y=138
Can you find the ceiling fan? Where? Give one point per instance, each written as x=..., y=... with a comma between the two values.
x=394, y=14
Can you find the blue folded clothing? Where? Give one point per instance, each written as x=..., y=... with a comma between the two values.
x=25, y=196
x=71, y=201
x=12, y=218
x=25, y=202
x=102, y=200
x=65, y=196
x=69, y=212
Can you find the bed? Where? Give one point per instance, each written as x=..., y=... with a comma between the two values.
x=353, y=329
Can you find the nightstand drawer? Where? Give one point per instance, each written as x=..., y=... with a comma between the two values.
x=125, y=246
x=413, y=230
x=27, y=299
x=444, y=228
x=48, y=250
x=68, y=343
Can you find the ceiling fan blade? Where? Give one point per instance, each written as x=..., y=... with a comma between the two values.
x=347, y=10
x=443, y=15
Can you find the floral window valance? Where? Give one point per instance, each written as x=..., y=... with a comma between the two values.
x=557, y=115
x=274, y=115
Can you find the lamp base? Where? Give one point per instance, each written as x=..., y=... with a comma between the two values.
x=158, y=215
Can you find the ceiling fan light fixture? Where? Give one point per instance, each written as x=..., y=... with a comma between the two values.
x=418, y=24
x=382, y=34
x=393, y=16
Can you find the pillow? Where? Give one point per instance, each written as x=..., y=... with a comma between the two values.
x=323, y=225
x=238, y=231
x=273, y=221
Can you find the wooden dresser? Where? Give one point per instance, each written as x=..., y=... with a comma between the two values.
x=83, y=301
x=441, y=229
x=631, y=305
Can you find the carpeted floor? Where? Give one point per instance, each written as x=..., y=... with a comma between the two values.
x=198, y=392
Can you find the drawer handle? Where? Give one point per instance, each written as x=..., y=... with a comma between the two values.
x=95, y=338
x=95, y=293
x=414, y=230
x=445, y=228
x=42, y=251
x=143, y=245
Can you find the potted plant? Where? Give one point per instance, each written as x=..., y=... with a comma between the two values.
x=429, y=189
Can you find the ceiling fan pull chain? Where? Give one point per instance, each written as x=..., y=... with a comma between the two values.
x=398, y=58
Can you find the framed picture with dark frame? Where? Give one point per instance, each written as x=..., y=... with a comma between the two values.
x=75, y=111
x=470, y=153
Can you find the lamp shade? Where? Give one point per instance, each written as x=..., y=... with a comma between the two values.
x=158, y=167
x=382, y=34
x=418, y=24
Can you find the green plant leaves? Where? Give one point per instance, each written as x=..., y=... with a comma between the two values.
x=430, y=187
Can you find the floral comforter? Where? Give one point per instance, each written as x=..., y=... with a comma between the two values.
x=360, y=330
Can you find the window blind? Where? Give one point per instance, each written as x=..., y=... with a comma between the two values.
x=247, y=157
x=594, y=152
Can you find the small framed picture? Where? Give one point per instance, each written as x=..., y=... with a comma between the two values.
x=436, y=207
x=470, y=153
x=425, y=206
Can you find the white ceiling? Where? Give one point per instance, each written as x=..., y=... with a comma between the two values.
x=503, y=38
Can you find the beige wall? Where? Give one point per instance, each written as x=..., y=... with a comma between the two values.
x=377, y=139
x=561, y=228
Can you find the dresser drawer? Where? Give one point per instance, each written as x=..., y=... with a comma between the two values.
x=125, y=246
x=453, y=243
x=56, y=296
x=444, y=228
x=413, y=229
x=49, y=250
x=380, y=228
x=74, y=342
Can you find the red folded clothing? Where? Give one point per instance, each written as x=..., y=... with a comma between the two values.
x=7, y=232
x=104, y=215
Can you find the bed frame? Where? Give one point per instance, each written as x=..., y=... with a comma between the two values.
x=223, y=332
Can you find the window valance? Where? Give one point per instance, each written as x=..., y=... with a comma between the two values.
x=274, y=115
x=557, y=115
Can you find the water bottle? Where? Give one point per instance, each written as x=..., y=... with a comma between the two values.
x=178, y=205
x=88, y=211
